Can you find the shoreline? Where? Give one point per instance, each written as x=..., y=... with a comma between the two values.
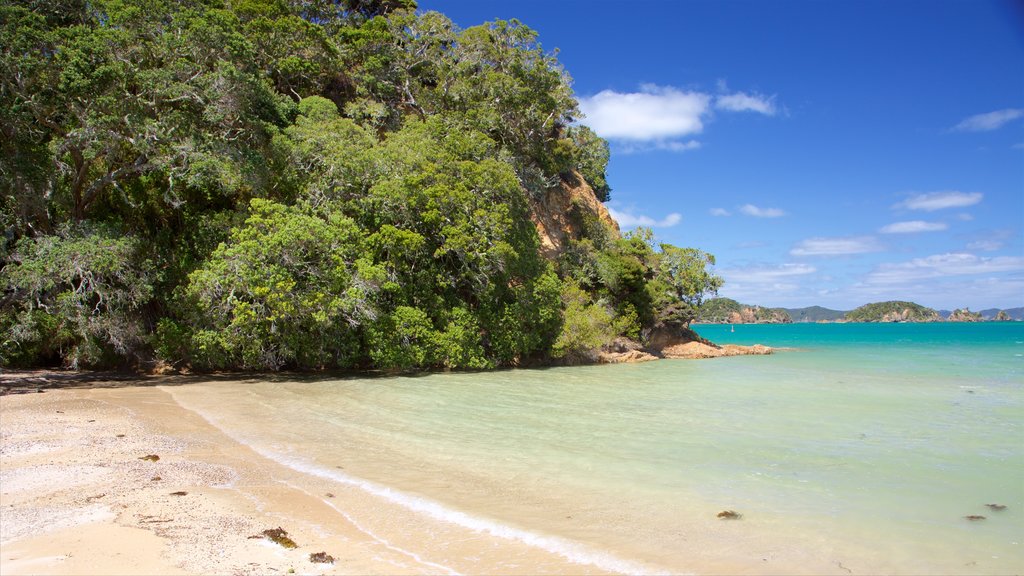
x=78, y=495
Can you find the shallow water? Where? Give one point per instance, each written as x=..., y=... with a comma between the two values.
x=861, y=450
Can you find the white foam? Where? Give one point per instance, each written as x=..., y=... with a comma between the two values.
x=571, y=551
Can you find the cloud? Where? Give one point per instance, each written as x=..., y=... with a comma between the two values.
x=766, y=274
x=989, y=121
x=719, y=212
x=836, y=246
x=751, y=210
x=992, y=240
x=628, y=220
x=943, y=265
x=666, y=145
x=932, y=201
x=742, y=102
x=655, y=113
x=985, y=245
x=913, y=227
x=662, y=117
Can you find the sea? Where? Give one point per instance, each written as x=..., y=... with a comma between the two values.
x=854, y=449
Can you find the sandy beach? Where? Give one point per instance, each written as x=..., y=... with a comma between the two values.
x=123, y=480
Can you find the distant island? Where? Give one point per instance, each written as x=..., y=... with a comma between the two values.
x=729, y=311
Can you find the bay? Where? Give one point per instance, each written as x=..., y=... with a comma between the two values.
x=860, y=448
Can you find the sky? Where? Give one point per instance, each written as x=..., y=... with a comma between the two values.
x=829, y=153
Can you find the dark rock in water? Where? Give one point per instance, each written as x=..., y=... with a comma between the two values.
x=974, y=517
x=729, y=515
x=280, y=537
x=997, y=507
x=321, y=558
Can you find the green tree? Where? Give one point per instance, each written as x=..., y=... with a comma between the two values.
x=682, y=283
x=288, y=289
x=78, y=298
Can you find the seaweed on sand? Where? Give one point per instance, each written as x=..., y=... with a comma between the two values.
x=321, y=558
x=280, y=537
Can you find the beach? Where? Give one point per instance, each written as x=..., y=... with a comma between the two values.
x=863, y=450
x=81, y=493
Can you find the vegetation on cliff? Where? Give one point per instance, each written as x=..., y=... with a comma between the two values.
x=893, y=311
x=729, y=311
x=272, y=184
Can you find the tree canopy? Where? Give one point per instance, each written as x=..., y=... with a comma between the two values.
x=268, y=184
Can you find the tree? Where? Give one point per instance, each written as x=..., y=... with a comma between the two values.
x=289, y=289
x=682, y=282
x=77, y=297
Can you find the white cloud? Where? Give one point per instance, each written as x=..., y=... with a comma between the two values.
x=932, y=201
x=742, y=102
x=913, y=227
x=662, y=117
x=942, y=265
x=836, y=246
x=751, y=210
x=989, y=121
x=762, y=274
x=655, y=113
x=720, y=212
x=985, y=245
x=632, y=147
x=767, y=284
x=628, y=220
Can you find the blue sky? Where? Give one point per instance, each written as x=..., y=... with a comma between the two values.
x=827, y=153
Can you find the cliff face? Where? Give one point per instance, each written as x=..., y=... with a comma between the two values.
x=909, y=315
x=564, y=211
x=965, y=315
x=759, y=315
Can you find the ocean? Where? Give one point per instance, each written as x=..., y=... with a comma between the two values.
x=860, y=448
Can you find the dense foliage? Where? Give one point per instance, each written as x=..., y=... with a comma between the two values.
x=893, y=311
x=267, y=184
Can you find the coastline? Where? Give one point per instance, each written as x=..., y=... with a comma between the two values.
x=78, y=497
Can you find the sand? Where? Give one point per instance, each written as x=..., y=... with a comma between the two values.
x=78, y=497
x=115, y=477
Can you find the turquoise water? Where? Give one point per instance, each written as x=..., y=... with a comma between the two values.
x=860, y=450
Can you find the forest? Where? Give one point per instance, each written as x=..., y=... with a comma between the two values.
x=279, y=184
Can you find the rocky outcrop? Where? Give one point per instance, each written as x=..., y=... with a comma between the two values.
x=965, y=315
x=564, y=211
x=623, y=350
x=702, y=350
x=908, y=315
x=667, y=341
x=729, y=311
x=759, y=315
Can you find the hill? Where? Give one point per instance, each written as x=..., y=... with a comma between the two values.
x=1010, y=313
x=893, y=311
x=815, y=314
x=729, y=311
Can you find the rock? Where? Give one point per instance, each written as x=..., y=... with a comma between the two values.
x=624, y=357
x=701, y=350
x=561, y=214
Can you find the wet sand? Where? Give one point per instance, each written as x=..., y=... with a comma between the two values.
x=79, y=496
